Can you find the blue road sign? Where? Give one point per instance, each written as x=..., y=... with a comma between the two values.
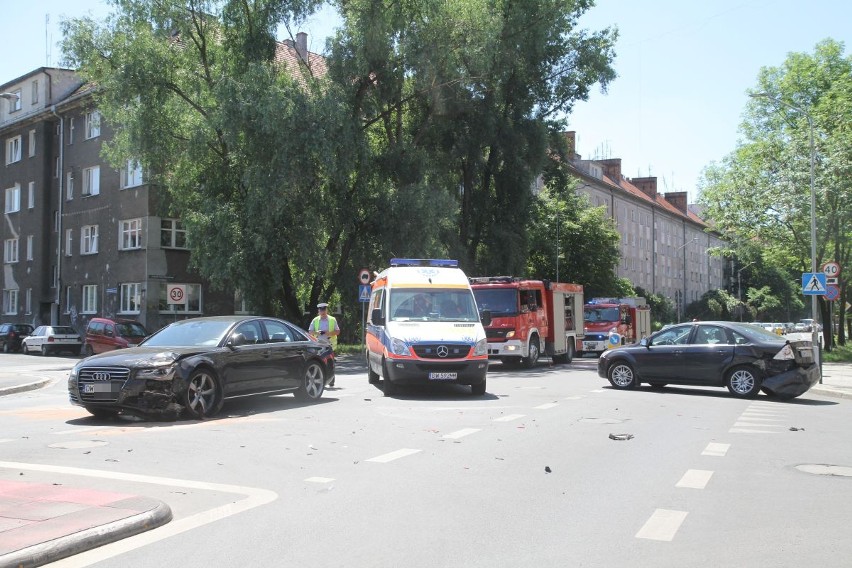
x=813, y=283
x=363, y=292
x=832, y=293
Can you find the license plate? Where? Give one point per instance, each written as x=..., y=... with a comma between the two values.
x=90, y=388
x=589, y=346
x=443, y=376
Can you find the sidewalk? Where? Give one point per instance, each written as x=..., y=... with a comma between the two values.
x=42, y=523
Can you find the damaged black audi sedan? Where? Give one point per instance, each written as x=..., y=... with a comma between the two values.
x=190, y=367
x=742, y=357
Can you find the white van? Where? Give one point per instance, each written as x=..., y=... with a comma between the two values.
x=424, y=327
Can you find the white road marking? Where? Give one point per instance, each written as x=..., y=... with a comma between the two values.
x=751, y=418
x=460, y=433
x=319, y=479
x=78, y=430
x=385, y=458
x=546, y=405
x=509, y=417
x=599, y=390
x=716, y=449
x=6, y=440
x=694, y=479
x=574, y=397
x=738, y=430
x=254, y=497
x=662, y=525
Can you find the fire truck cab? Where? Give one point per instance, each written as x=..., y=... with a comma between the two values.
x=530, y=317
x=611, y=322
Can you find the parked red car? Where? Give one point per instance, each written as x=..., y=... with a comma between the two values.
x=104, y=334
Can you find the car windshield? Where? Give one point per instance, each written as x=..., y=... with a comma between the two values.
x=600, y=314
x=430, y=304
x=191, y=333
x=499, y=301
x=130, y=329
x=63, y=330
x=758, y=333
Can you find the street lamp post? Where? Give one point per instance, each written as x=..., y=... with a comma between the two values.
x=777, y=101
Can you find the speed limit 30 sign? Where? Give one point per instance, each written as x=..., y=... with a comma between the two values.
x=176, y=294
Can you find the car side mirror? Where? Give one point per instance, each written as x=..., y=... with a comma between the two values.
x=485, y=317
x=644, y=342
x=377, y=317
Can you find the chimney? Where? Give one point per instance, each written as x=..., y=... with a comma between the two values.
x=678, y=199
x=571, y=142
x=612, y=169
x=302, y=46
x=647, y=185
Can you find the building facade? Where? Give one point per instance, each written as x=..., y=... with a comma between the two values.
x=664, y=243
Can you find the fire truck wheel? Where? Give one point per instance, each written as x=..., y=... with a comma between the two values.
x=569, y=355
x=531, y=360
x=621, y=375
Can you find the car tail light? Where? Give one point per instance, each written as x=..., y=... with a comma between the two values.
x=50, y=339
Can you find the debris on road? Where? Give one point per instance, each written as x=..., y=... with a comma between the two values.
x=621, y=437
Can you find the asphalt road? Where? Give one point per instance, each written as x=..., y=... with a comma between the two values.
x=527, y=475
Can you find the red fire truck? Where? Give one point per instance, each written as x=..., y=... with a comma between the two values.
x=530, y=317
x=610, y=322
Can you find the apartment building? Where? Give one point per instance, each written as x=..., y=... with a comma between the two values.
x=664, y=242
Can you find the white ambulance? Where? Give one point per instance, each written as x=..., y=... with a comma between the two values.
x=423, y=327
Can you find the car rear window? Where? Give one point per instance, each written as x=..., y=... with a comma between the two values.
x=64, y=330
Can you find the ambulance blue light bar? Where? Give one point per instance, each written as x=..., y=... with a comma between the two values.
x=442, y=262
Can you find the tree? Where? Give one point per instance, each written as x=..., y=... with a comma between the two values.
x=761, y=191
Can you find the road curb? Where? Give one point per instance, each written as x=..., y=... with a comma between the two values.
x=40, y=554
x=25, y=387
x=834, y=393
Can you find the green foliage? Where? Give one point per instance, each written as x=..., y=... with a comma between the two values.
x=662, y=309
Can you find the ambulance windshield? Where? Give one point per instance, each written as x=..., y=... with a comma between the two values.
x=430, y=304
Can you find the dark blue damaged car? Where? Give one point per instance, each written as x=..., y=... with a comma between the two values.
x=742, y=357
x=190, y=367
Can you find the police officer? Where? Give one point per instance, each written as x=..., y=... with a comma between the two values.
x=324, y=328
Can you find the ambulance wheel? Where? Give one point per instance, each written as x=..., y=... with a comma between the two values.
x=372, y=376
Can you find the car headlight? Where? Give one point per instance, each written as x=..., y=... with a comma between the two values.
x=398, y=347
x=510, y=334
x=165, y=373
x=481, y=347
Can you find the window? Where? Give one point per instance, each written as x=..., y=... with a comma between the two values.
x=10, y=251
x=130, y=234
x=172, y=234
x=31, y=149
x=56, y=168
x=10, y=302
x=89, y=239
x=67, y=300
x=13, y=150
x=28, y=301
x=69, y=235
x=193, y=300
x=93, y=124
x=55, y=271
x=70, y=130
x=131, y=175
x=29, y=247
x=15, y=102
x=69, y=185
x=34, y=95
x=13, y=199
x=90, y=299
x=92, y=181
x=56, y=221
x=31, y=195
x=130, y=298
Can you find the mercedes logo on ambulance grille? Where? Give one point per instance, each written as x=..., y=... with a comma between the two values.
x=100, y=376
x=443, y=351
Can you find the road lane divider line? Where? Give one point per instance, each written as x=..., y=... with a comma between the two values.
x=695, y=479
x=509, y=417
x=716, y=449
x=254, y=497
x=662, y=525
x=599, y=390
x=319, y=479
x=546, y=406
x=460, y=433
x=574, y=397
x=751, y=431
x=385, y=458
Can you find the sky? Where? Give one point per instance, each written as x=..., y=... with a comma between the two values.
x=683, y=67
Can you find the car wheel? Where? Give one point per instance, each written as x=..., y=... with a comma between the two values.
x=87, y=350
x=102, y=413
x=203, y=396
x=532, y=358
x=621, y=375
x=656, y=385
x=743, y=382
x=313, y=383
x=44, y=351
x=6, y=348
x=478, y=389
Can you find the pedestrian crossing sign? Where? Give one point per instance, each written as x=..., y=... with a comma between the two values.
x=363, y=292
x=813, y=283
